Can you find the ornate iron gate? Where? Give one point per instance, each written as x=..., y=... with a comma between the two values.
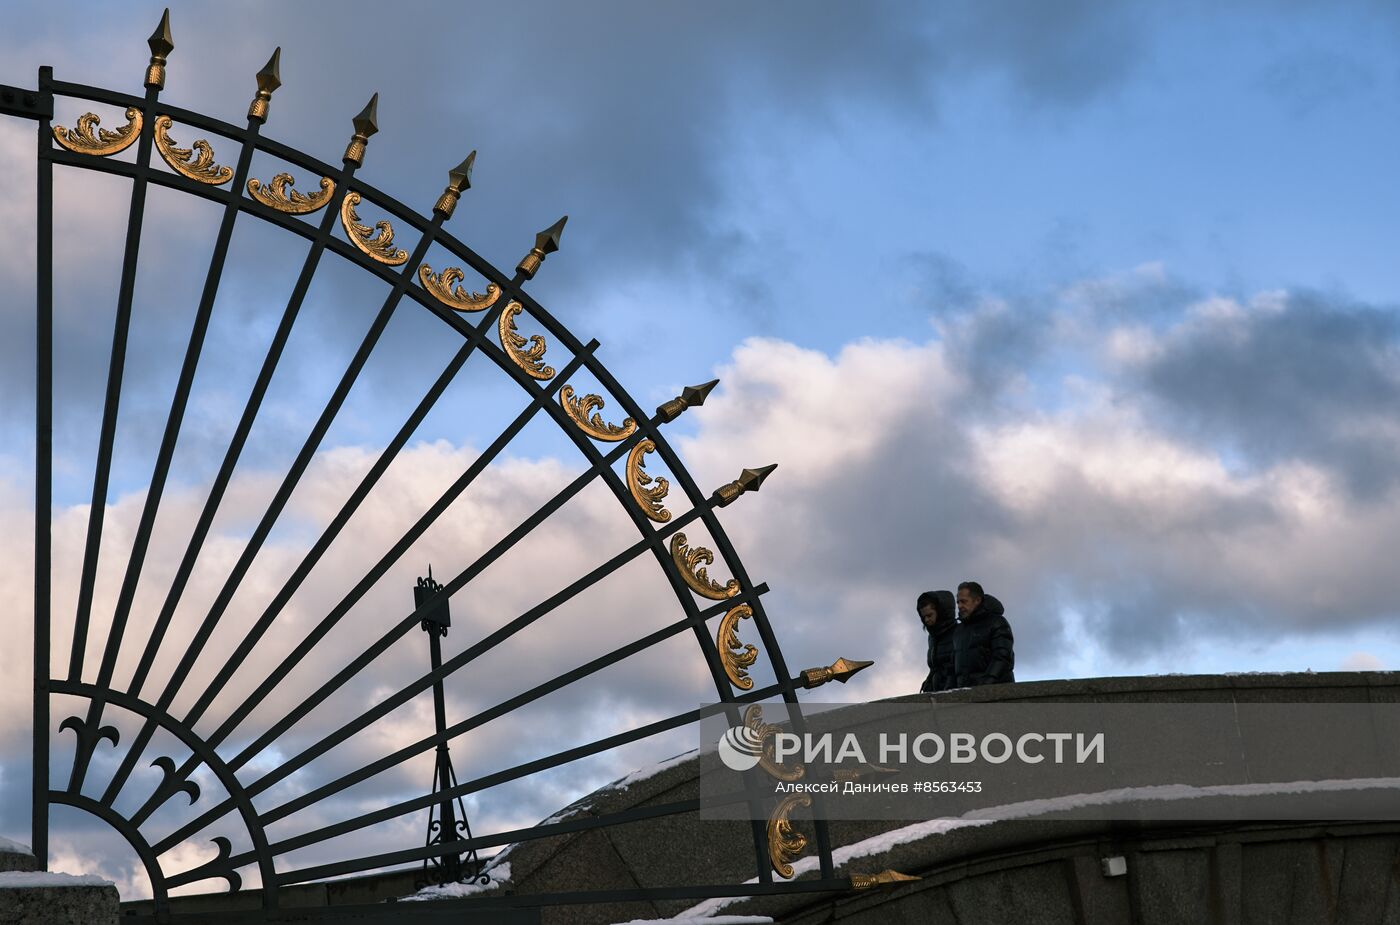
x=486, y=323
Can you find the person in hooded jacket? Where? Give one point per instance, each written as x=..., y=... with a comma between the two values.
x=936, y=610
x=983, y=650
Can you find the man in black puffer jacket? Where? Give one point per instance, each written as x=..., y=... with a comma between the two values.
x=982, y=644
x=937, y=613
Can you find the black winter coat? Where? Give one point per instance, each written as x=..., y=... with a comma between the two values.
x=940, y=644
x=983, y=646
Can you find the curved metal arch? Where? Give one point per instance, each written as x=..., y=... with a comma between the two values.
x=511, y=290
x=128, y=831
x=648, y=427
x=196, y=745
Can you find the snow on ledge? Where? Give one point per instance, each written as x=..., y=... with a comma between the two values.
x=13, y=847
x=19, y=879
x=706, y=920
x=1029, y=809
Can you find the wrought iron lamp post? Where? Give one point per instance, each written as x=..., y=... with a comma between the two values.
x=449, y=817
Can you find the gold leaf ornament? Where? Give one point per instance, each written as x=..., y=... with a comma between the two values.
x=529, y=358
x=88, y=137
x=648, y=492
x=735, y=655
x=195, y=162
x=578, y=408
x=785, y=843
x=278, y=195
x=692, y=562
x=766, y=733
x=446, y=288
x=377, y=243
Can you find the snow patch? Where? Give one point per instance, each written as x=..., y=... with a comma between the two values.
x=19, y=879
x=718, y=920
x=500, y=875
x=641, y=774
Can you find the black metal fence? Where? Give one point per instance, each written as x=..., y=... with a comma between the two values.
x=485, y=324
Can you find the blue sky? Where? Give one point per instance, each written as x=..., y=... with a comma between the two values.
x=1094, y=303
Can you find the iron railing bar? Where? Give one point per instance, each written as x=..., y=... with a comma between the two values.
x=500, y=777
x=386, y=562
x=166, y=453
x=97, y=512
x=297, y=469
x=288, y=485
x=221, y=480
x=43, y=479
x=507, y=706
x=529, y=833
x=504, y=776
x=331, y=532
x=390, y=703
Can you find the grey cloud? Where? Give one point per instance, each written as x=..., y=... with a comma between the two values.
x=1316, y=380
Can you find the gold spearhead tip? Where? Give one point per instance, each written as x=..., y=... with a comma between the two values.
x=160, y=41
x=840, y=670
x=748, y=480
x=751, y=479
x=161, y=46
x=269, y=79
x=367, y=122
x=546, y=242
x=460, y=177
x=885, y=878
x=692, y=396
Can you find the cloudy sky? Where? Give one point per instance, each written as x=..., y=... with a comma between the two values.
x=1096, y=304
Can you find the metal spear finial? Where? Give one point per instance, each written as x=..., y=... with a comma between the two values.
x=839, y=670
x=269, y=79
x=546, y=243
x=748, y=480
x=366, y=124
x=161, y=46
x=459, y=178
x=692, y=396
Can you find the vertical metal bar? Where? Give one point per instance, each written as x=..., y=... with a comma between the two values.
x=97, y=511
x=225, y=475
x=43, y=476
x=177, y=411
x=166, y=453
